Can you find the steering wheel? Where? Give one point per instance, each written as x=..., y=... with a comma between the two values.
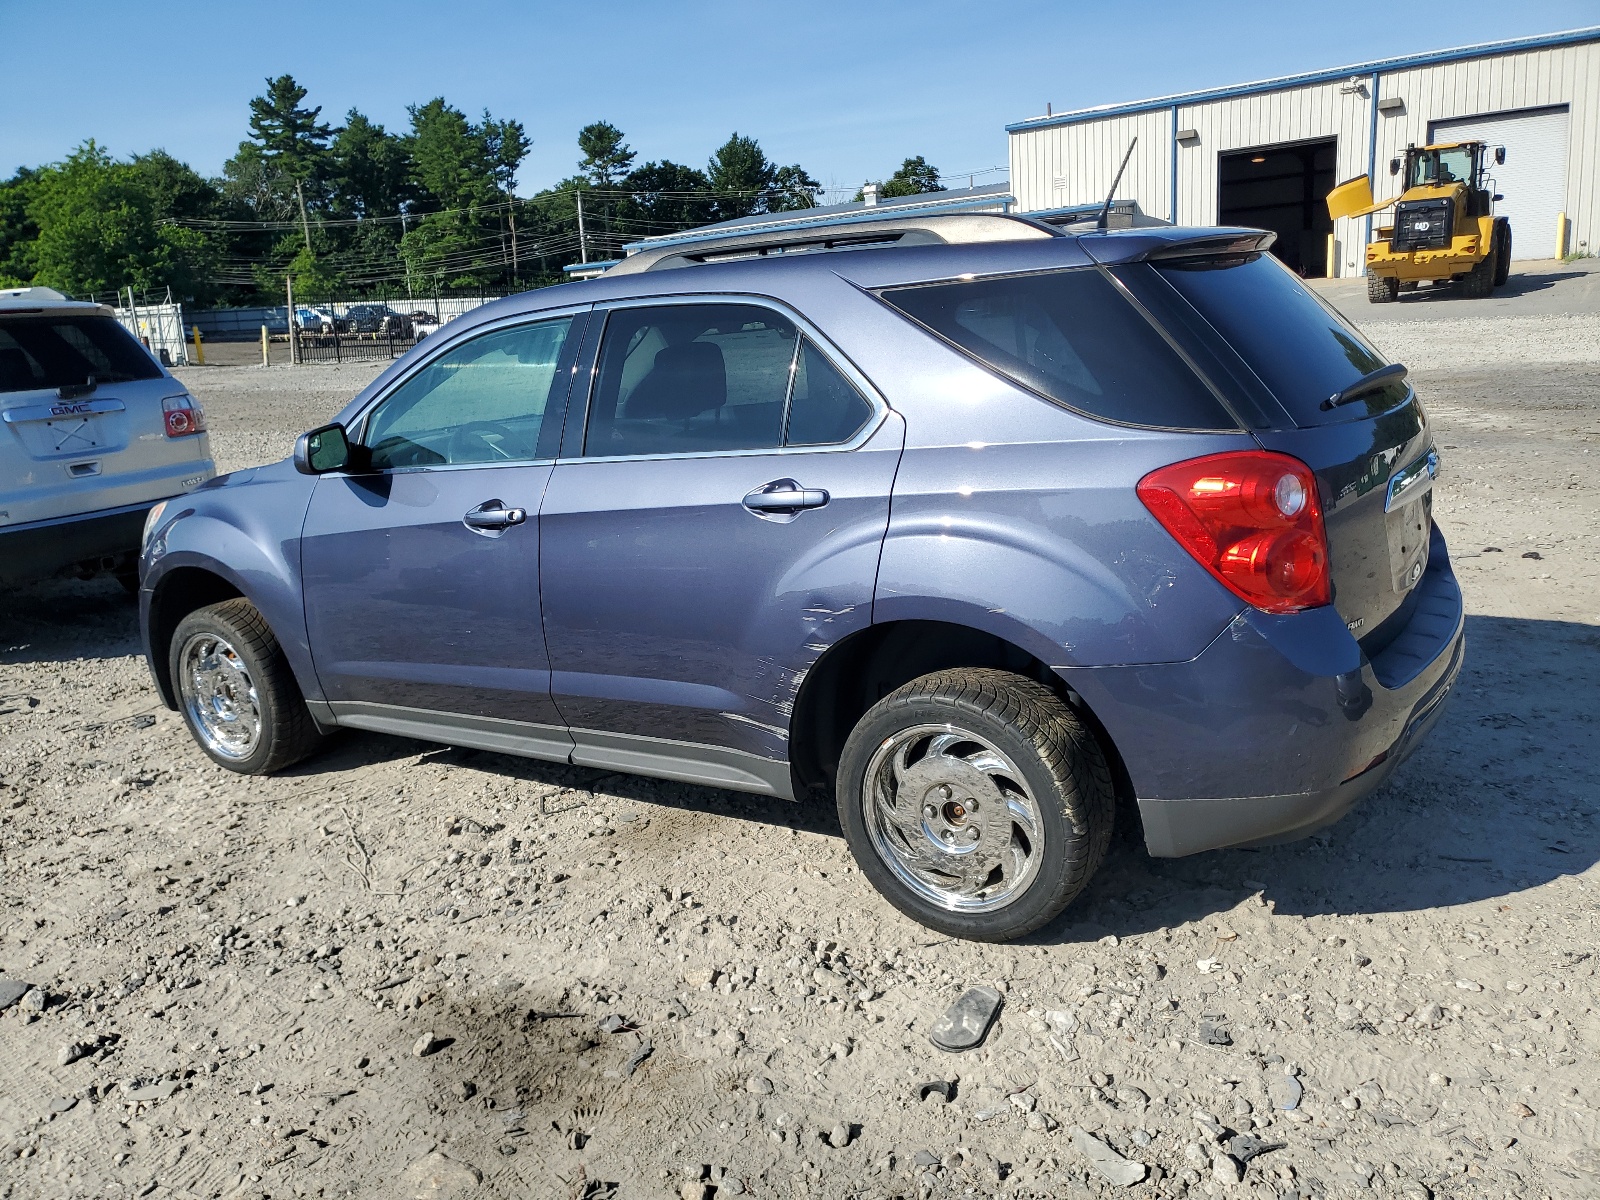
x=484, y=441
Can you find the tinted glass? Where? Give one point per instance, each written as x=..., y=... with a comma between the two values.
x=482, y=401
x=691, y=379
x=825, y=407
x=53, y=352
x=1072, y=337
x=1301, y=349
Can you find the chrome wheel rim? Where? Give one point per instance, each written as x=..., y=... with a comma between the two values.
x=219, y=697
x=951, y=816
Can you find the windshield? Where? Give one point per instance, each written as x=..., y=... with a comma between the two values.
x=1440, y=168
x=39, y=352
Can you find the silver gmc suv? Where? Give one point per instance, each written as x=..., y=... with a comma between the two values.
x=95, y=433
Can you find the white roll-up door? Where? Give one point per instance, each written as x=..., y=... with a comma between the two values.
x=1533, y=179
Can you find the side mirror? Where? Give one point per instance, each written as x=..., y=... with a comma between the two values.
x=322, y=450
x=1498, y=197
x=1394, y=166
x=1500, y=154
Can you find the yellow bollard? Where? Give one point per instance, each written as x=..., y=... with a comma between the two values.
x=1561, y=235
x=199, y=351
x=266, y=358
x=1333, y=255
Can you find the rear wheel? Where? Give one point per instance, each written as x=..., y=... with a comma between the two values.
x=976, y=802
x=1382, y=289
x=236, y=691
x=1502, y=236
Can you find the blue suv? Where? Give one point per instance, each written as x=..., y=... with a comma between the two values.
x=990, y=533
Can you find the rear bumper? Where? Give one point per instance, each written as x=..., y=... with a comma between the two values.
x=1281, y=725
x=86, y=542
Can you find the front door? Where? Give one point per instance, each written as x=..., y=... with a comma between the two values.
x=421, y=570
x=712, y=531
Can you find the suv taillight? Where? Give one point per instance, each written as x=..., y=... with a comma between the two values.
x=1252, y=519
x=183, y=416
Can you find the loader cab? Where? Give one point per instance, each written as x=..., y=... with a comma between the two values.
x=1442, y=166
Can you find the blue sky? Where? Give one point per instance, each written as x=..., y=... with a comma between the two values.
x=847, y=90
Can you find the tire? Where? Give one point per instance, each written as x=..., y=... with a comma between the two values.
x=1502, y=237
x=953, y=738
x=1477, y=283
x=236, y=692
x=1382, y=289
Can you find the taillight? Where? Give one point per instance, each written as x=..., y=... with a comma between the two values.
x=1253, y=520
x=183, y=416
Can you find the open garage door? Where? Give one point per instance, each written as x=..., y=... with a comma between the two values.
x=1282, y=188
x=1533, y=179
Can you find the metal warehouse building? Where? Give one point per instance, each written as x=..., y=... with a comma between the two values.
x=1267, y=154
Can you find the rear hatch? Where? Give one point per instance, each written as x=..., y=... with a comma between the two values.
x=1309, y=384
x=84, y=420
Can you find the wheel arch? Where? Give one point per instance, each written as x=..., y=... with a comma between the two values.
x=859, y=670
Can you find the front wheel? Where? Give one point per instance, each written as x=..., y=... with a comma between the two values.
x=236, y=691
x=976, y=802
x=1382, y=289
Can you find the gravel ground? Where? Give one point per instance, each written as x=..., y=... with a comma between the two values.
x=393, y=971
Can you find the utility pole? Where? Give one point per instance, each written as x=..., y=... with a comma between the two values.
x=583, y=244
x=511, y=211
x=305, y=222
x=294, y=342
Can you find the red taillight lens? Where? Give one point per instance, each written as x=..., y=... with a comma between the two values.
x=1250, y=518
x=183, y=416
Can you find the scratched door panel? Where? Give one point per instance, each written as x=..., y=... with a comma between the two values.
x=674, y=611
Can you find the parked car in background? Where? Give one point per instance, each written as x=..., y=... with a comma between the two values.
x=379, y=319
x=318, y=320
x=424, y=322
x=95, y=431
x=989, y=534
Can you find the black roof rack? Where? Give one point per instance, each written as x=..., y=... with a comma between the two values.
x=925, y=229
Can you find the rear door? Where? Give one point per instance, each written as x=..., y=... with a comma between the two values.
x=82, y=421
x=1289, y=354
x=711, y=529
x=421, y=569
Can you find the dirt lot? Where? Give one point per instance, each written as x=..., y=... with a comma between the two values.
x=233, y=978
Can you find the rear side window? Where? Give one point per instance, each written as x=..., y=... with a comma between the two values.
x=63, y=351
x=1073, y=338
x=1300, y=348
x=704, y=378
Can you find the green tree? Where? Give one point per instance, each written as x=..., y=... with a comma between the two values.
x=505, y=146
x=792, y=188
x=99, y=230
x=606, y=158
x=17, y=230
x=914, y=177
x=290, y=137
x=742, y=175
x=368, y=170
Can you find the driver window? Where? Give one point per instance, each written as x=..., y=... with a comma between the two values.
x=482, y=401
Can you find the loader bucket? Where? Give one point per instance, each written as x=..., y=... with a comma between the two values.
x=1351, y=199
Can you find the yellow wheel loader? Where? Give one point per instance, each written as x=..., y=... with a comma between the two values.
x=1444, y=227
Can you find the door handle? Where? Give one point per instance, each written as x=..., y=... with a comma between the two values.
x=784, y=496
x=492, y=516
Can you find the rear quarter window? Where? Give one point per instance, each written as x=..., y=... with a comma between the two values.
x=1299, y=347
x=1073, y=338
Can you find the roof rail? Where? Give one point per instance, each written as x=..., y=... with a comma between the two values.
x=925, y=229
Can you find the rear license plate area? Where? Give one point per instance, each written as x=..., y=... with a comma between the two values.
x=1408, y=526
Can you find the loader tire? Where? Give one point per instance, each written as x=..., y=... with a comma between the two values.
x=1382, y=289
x=1477, y=283
x=1502, y=237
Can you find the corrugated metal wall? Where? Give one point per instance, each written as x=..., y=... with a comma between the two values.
x=1052, y=171
x=1060, y=165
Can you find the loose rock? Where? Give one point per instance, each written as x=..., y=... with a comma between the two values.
x=426, y=1045
x=1123, y=1172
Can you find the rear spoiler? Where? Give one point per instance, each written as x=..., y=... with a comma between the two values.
x=1253, y=242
